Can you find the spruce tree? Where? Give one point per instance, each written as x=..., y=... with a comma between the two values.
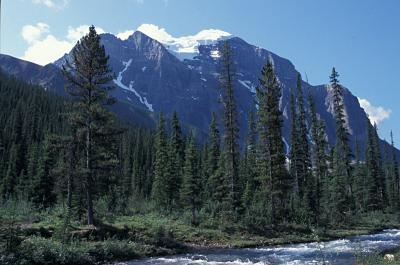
x=304, y=169
x=394, y=178
x=381, y=177
x=89, y=77
x=319, y=161
x=341, y=190
x=231, y=127
x=293, y=154
x=16, y=156
x=274, y=176
x=161, y=172
x=213, y=155
x=43, y=187
x=176, y=159
x=250, y=163
x=191, y=186
x=372, y=196
x=360, y=176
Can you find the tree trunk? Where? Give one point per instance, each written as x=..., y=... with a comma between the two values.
x=89, y=175
x=89, y=205
x=71, y=169
x=69, y=192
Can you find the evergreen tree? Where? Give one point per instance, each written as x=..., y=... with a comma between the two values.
x=274, y=176
x=213, y=156
x=380, y=174
x=250, y=163
x=176, y=159
x=293, y=154
x=394, y=178
x=43, y=187
x=304, y=169
x=16, y=156
x=360, y=176
x=231, y=127
x=341, y=190
x=372, y=196
x=191, y=182
x=319, y=161
x=89, y=79
x=161, y=171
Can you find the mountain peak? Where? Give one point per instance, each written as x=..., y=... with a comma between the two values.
x=185, y=47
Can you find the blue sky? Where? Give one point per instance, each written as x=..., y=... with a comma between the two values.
x=360, y=38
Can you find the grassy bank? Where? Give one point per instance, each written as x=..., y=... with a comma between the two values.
x=47, y=238
x=390, y=257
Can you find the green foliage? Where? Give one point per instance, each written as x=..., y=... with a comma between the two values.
x=275, y=179
x=231, y=131
x=161, y=171
x=341, y=173
x=89, y=76
x=36, y=250
x=191, y=188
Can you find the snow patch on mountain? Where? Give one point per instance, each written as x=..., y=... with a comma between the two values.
x=249, y=85
x=185, y=47
x=119, y=83
x=215, y=54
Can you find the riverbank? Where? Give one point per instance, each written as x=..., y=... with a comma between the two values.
x=121, y=238
x=387, y=257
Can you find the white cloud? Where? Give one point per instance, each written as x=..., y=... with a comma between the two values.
x=46, y=49
x=56, y=4
x=125, y=35
x=32, y=33
x=376, y=114
x=156, y=32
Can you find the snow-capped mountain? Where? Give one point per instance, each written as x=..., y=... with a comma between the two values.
x=155, y=72
x=186, y=47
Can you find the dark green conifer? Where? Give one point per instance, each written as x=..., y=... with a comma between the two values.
x=231, y=127
x=274, y=176
x=89, y=77
x=191, y=186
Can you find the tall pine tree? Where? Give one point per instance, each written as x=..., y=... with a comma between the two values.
x=341, y=191
x=191, y=186
x=274, y=176
x=231, y=127
x=161, y=171
x=89, y=77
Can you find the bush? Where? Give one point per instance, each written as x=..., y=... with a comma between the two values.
x=37, y=250
x=111, y=250
x=19, y=210
x=164, y=238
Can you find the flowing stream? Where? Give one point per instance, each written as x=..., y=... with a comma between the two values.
x=340, y=252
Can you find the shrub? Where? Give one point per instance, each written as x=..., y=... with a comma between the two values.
x=111, y=250
x=37, y=250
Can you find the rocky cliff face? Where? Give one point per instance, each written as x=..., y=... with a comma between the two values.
x=151, y=77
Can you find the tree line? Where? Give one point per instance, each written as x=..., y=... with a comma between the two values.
x=74, y=152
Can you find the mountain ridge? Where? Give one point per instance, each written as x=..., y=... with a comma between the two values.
x=150, y=78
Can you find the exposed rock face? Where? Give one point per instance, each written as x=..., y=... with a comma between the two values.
x=150, y=78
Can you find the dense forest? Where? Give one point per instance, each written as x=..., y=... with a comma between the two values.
x=73, y=152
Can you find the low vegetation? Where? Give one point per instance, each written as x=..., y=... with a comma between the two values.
x=29, y=236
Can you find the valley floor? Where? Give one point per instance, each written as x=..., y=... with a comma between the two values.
x=119, y=238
